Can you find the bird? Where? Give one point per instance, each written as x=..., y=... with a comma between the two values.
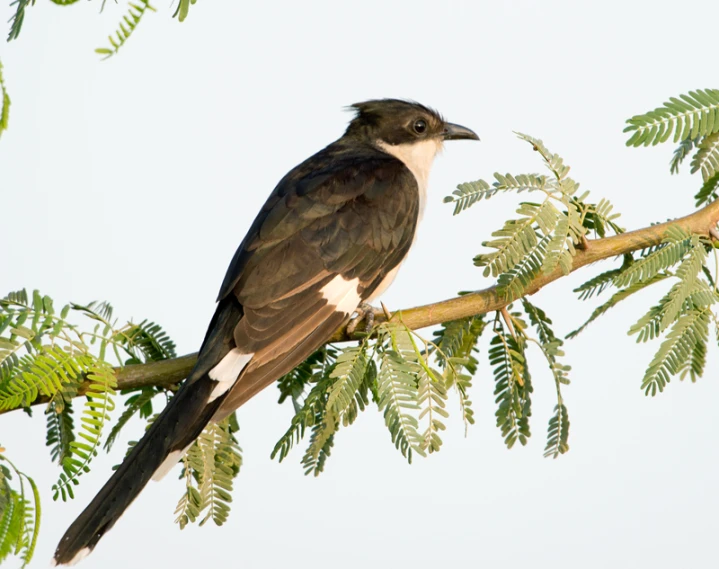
x=329, y=239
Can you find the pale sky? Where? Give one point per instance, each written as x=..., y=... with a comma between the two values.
x=133, y=180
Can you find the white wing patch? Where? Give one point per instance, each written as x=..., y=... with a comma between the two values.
x=343, y=294
x=169, y=463
x=227, y=371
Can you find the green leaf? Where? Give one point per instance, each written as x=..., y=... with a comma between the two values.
x=469, y=193
x=557, y=432
x=4, y=104
x=98, y=406
x=678, y=349
x=517, y=239
x=706, y=158
x=708, y=192
x=60, y=431
x=689, y=116
x=126, y=27
x=615, y=299
x=675, y=245
x=182, y=9
x=18, y=18
x=140, y=403
x=210, y=466
x=681, y=152
x=512, y=387
x=397, y=388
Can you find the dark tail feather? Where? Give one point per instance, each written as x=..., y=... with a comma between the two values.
x=180, y=423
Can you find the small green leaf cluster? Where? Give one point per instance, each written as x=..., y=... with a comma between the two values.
x=183, y=7
x=44, y=353
x=693, y=120
x=4, y=104
x=19, y=512
x=127, y=25
x=682, y=316
x=210, y=466
x=546, y=234
x=410, y=378
x=328, y=391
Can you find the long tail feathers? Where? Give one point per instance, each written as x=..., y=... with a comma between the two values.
x=180, y=423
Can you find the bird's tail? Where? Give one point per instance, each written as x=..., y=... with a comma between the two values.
x=180, y=423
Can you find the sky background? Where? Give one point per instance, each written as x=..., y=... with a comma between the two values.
x=133, y=180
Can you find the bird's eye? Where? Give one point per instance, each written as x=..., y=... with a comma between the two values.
x=419, y=126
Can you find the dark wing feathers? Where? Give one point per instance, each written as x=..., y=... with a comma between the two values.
x=344, y=212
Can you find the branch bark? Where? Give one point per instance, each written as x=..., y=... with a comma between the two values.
x=703, y=222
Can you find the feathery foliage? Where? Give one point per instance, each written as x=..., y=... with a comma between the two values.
x=689, y=116
x=455, y=344
x=678, y=351
x=18, y=18
x=60, y=432
x=615, y=299
x=4, y=104
x=210, y=466
x=551, y=346
x=44, y=353
x=125, y=28
x=680, y=154
x=694, y=119
x=546, y=234
x=183, y=7
x=469, y=193
x=682, y=315
x=19, y=512
x=512, y=385
x=706, y=158
x=397, y=388
x=138, y=404
x=708, y=192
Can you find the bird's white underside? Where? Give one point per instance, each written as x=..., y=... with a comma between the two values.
x=418, y=157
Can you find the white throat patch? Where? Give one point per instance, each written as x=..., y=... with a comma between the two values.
x=418, y=157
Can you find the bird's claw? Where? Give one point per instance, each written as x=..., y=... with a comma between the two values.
x=365, y=313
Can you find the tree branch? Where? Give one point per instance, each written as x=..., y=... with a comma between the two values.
x=703, y=222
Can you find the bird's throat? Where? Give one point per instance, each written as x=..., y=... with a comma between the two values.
x=418, y=157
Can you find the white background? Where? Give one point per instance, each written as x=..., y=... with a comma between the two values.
x=133, y=180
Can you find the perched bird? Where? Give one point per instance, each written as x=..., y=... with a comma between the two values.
x=330, y=237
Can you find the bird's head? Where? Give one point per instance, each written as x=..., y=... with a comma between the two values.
x=395, y=122
x=406, y=130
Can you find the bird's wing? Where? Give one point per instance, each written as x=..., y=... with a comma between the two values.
x=327, y=237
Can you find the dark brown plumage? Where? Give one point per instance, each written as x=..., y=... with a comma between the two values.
x=331, y=234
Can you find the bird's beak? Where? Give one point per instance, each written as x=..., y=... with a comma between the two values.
x=458, y=132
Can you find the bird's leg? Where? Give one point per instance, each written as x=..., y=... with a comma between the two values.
x=365, y=313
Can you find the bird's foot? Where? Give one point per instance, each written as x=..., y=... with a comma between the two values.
x=365, y=314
